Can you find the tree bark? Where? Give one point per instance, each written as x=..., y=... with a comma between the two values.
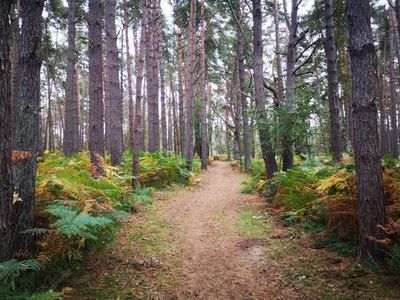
x=392, y=82
x=280, y=88
x=176, y=125
x=370, y=206
x=138, y=127
x=384, y=148
x=49, y=136
x=287, y=143
x=113, y=88
x=242, y=96
x=164, y=137
x=170, y=140
x=266, y=146
x=27, y=123
x=152, y=61
x=333, y=96
x=6, y=186
x=14, y=47
x=190, y=60
x=96, y=106
x=203, y=99
x=181, y=103
x=71, y=113
x=129, y=72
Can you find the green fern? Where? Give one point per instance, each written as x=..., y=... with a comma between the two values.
x=73, y=223
x=11, y=269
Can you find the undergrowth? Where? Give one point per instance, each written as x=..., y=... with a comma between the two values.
x=76, y=213
x=319, y=197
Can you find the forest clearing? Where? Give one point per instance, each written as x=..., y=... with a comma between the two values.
x=199, y=149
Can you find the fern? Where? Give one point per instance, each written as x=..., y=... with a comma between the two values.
x=73, y=223
x=11, y=269
x=38, y=231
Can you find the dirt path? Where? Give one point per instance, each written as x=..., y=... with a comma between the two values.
x=216, y=262
x=212, y=242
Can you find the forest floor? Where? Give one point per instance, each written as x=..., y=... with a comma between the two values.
x=212, y=242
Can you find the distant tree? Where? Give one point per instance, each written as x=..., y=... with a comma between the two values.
x=333, y=96
x=190, y=82
x=203, y=109
x=138, y=127
x=164, y=137
x=181, y=93
x=242, y=96
x=129, y=72
x=113, y=96
x=393, y=86
x=71, y=119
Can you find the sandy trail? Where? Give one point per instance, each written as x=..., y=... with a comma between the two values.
x=217, y=263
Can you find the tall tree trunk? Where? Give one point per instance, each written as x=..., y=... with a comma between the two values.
x=236, y=112
x=6, y=186
x=170, y=140
x=143, y=132
x=333, y=97
x=392, y=81
x=242, y=96
x=164, y=137
x=27, y=123
x=71, y=130
x=266, y=146
x=280, y=89
x=49, y=136
x=190, y=60
x=203, y=109
x=227, y=127
x=210, y=122
x=384, y=149
x=371, y=212
x=252, y=133
x=182, y=97
x=113, y=88
x=14, y=47
x=138, y=105
x=128, y=67
x=397, y=10
x=176, y=125
x=152, y=60
x=287, y=143
x=96, y=106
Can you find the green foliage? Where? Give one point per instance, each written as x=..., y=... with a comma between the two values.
x=77, y=213
x=74, y=223
x=257, y=171
x=60, y=177
x=11, y=269
x=388, y=161
x=295, y=188
x=290, y=218
x=140, y=196
x=332, y=242
x=159, y=169
x=393, y=258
